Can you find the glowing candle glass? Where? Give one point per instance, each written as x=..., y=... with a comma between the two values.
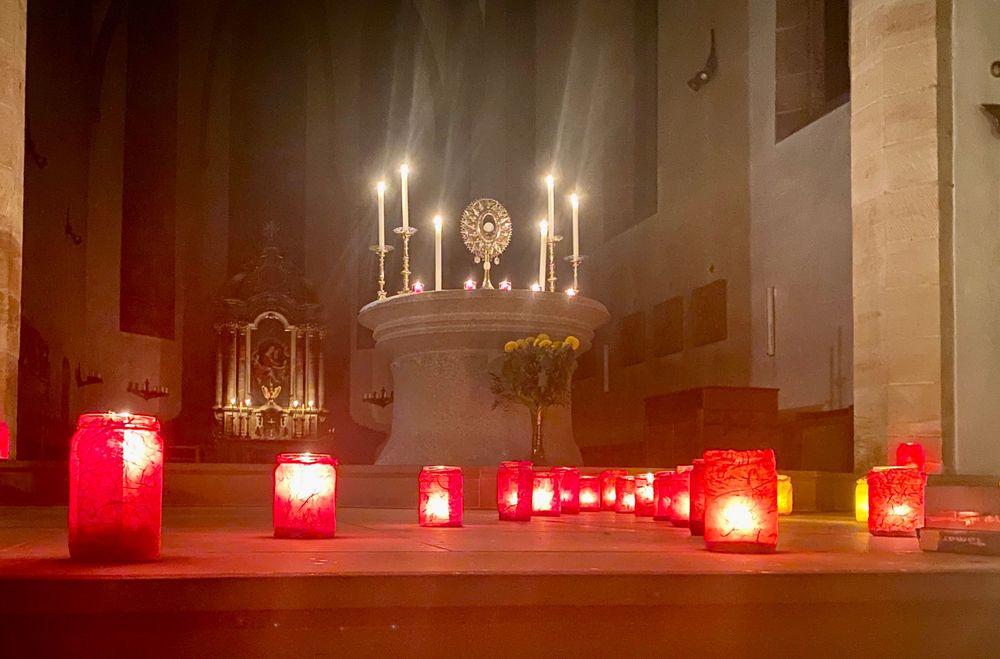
x=741, y=501
x=305, y=496
x=645, y=495
x=590, y=494
x=418, y=287
x=440, y=500
x=505, y=285
x=895, y=500
x=608, y=477
x=861, y=500
x=470, y=284
x=569, y=489
x=115, y=488
x=625, y=494
x=696, y=523
x=514, y=483
x=661, y=490
x=784, y=495
x=911, y=454
x=679, y=491
x=546, y=498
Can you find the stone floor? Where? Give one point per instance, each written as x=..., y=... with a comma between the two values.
x=386, y=585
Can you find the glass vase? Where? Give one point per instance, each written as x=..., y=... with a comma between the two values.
x=537, y=439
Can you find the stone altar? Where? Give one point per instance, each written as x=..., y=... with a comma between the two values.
x=442, y=345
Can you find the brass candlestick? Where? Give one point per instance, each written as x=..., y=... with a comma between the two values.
x=575, y=262
x=552, y=262
x=405, y=233
x=381, y=253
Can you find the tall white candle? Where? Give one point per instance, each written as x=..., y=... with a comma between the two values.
x=574, y=200
x=380, y=188
x=543, y=230
x=437, y=252
x=550, y=183
x=404, y=172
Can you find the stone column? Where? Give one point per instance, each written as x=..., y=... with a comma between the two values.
x=247, y=362
x=293, y=341
x=231, y=392
x=900, y=187
x=241, y=366
x=13, y=22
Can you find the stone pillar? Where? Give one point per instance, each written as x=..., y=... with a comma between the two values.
x=231, y=392
x=900, y=186
x=241, y=366
x=293, y=344
x=247, y=362
x=13, y=22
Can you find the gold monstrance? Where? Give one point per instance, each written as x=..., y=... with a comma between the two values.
x=486, y=231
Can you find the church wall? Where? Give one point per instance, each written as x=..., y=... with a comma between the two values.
x=800, y=192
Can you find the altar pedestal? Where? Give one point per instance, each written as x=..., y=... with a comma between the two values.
x=443, y=345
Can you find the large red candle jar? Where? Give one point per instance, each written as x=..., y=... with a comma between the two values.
x=911, y=454
x=895, y=500
x=115, y=488
x=645, y=496
x=569, y=489
x=741, y=501
x=661, y=491
x=305, y=496
x=546, y=498
x=440, y=496
x=697, y=521
x=679, y=492
x=514, y=481
x=590, y=494
x=608, y=483
x=625, y=494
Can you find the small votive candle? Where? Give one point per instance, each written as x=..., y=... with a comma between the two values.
x=608, y=478
x=470, y=284
x=514, y=482
x=569, y=489
x=505, y=285
x=440, y=500
x=571, y=292
x=645, y=495
x=679, y=492
x=784, y=495
x=305, y=496
x=625, y=494
x=861, y=500
x=418, y=287
x=741, y=501
x=895, y=500
x=536, y=288
x=911, y=454
x=546, y=499
x=590, y=493
x=661, y=491
x=697, y=521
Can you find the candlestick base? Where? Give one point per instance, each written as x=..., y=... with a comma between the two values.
x=575, y=261
x=381, y=252
x=552, y=240
x=406, y=234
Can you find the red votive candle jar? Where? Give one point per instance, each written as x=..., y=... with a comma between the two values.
x=741, y=501
x=440, y=496
x=546, y=498
x=514, y=482
x=305, y=496
x=608, y=483
x=679, y=492
x=590, y=494
x=696, y=523
x=115, y=488
x=645, y=495
x=569, y=489
x=895, y=500
x=661, y=490
x=625, y=494
x=911, y=454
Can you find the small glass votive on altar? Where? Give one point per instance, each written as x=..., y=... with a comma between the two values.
x=571, y=292
x=895, y=500
x=590, y=493
x=569, y=489
x=784, y=494
x=440, y=500
x=625, y=494
x=470, y=284
x=514, y=483
x=505, y=285
x=546, y=498
x=696, y=523
x=115, y=488
x=911, y=454
x=741, y=501
x=536, y=288
x=661, y=492
x=418, y=287
x=305, y=496
x=645, y=495
x=861, y=500
x=679, y=491
x=608, y=478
